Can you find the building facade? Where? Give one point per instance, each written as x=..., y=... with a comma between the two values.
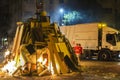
x=111, y=12
x=21, y=10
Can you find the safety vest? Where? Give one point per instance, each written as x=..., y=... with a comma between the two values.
x=78, y=50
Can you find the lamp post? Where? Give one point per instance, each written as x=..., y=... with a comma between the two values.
x=61, y=16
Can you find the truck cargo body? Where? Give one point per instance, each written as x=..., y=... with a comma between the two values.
x=98, y=41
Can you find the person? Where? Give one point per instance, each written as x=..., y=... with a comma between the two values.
x=78, y=52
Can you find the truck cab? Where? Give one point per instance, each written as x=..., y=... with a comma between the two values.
x=110, y=45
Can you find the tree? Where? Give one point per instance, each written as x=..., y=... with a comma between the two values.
x=72, y=17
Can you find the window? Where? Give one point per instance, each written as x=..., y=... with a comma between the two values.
x=110, y=38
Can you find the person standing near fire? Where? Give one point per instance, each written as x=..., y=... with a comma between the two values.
x=78, y=52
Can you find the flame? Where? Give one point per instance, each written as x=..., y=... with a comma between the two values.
x=50, y=68
x=40, y=59
x=9, y=67
x=7, y=53
x=44, y=61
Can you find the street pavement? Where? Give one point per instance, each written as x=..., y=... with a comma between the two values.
x=90, y=70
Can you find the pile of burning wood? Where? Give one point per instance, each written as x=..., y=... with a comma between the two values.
x=34, y=62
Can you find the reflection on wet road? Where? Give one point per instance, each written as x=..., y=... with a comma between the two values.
x=102, y=69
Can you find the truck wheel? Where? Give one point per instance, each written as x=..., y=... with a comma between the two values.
x=104, y=55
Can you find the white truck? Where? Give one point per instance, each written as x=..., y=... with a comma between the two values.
x=98, y=40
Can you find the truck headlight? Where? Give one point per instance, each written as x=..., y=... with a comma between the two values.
x=118, y=55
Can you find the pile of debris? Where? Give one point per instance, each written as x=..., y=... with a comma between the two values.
x=54, y=55
x=40, y=48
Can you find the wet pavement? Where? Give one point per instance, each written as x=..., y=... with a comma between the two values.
x=90, y=70
x=101, y=70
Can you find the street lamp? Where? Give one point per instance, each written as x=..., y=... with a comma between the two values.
x=61, y=15
x=61, y=10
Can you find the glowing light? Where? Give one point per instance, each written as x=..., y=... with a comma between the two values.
x=10, y=67
x=50, y=68
x=5, y=39
x=61, y=10
x=101, y=25
x=7, y=53
x=40, y=59
x=45, y=61
x=119, y=55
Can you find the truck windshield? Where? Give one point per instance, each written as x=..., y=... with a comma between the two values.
x=110, y=38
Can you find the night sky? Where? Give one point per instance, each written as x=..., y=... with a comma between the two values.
x=91, y=9
x=87, y=8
